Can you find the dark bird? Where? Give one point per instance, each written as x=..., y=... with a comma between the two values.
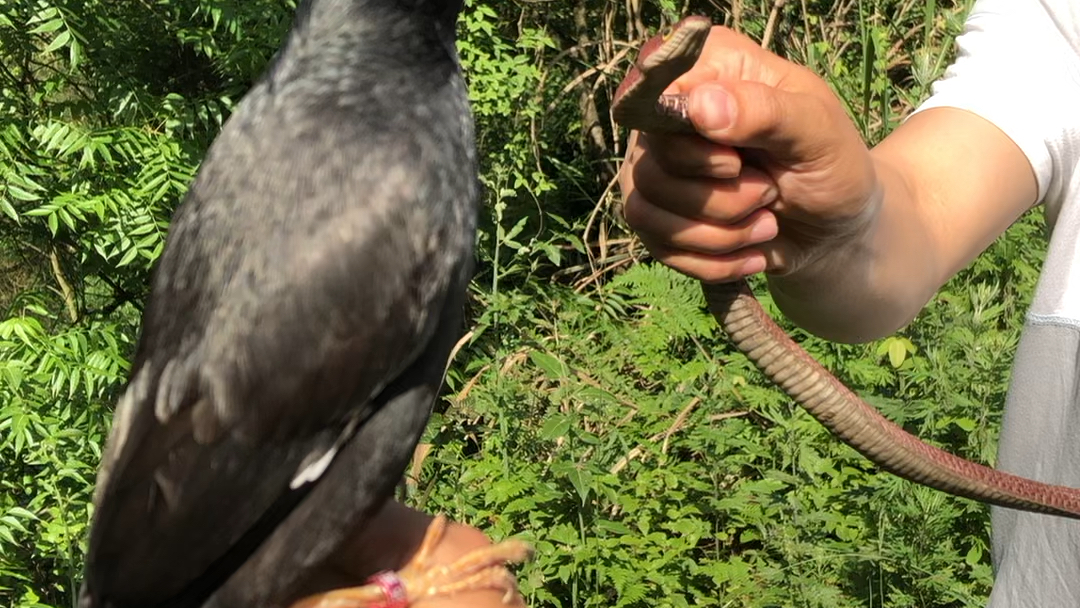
x=299, y=320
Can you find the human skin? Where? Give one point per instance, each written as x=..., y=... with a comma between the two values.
x=391, y=540
x=855, y=240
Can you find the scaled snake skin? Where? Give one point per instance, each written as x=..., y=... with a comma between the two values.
x=639, y=104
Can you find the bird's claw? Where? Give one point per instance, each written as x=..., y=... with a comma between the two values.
x=481, y=569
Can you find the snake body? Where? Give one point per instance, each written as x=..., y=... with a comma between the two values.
x=639, y=104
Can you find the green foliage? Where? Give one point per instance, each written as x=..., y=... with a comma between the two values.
x=595, y=410
x=651, y=465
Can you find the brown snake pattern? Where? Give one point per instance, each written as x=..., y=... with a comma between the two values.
x=639, y=104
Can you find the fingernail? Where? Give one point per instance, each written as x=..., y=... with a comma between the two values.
x=753, y=266
x=770, y=196
x=762, y=231
x=711, y=107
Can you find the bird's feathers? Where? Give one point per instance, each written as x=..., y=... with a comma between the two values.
x=310, y=276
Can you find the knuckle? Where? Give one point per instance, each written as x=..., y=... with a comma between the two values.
x=727, y=208
x=724, y=214
x=705, y=238
x=772, y=112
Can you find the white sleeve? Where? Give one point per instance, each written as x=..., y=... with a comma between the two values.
x=1018, y=66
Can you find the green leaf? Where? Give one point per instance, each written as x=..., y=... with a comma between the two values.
x=49, y=26
x=552, y=366
x=974, y=555
x=897, y=353
x=555, y=427
x=61, y=40
x=966, y=424
x=580, y=478
x=21, y=194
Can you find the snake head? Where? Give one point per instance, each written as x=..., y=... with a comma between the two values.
x=661, y=60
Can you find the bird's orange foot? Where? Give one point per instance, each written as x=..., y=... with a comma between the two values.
x=481, y=569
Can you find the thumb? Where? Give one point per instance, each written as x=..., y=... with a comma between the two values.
x=792, y=126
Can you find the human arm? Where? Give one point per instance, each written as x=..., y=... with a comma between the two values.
x=949, y=183
x=865, y=237
x=390, y=542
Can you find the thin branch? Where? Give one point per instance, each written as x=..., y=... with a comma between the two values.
x=65, y=287
x=770, y=26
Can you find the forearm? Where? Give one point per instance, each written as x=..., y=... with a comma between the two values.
x=869, y=285
x=948, y=184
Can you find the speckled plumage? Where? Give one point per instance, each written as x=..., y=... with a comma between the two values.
x=299, y=320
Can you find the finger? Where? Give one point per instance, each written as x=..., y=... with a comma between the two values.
x=692, y=155
x=730, y=55
x=679, y=233
x=709, y=268
x=717, y=201
x=792, y=126
x=633, y=151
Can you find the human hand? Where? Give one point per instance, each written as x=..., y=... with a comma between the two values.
x=776, y=173
x=388, y=543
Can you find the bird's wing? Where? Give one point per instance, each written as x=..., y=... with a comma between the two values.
x=342, y=501
x=273, y=326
